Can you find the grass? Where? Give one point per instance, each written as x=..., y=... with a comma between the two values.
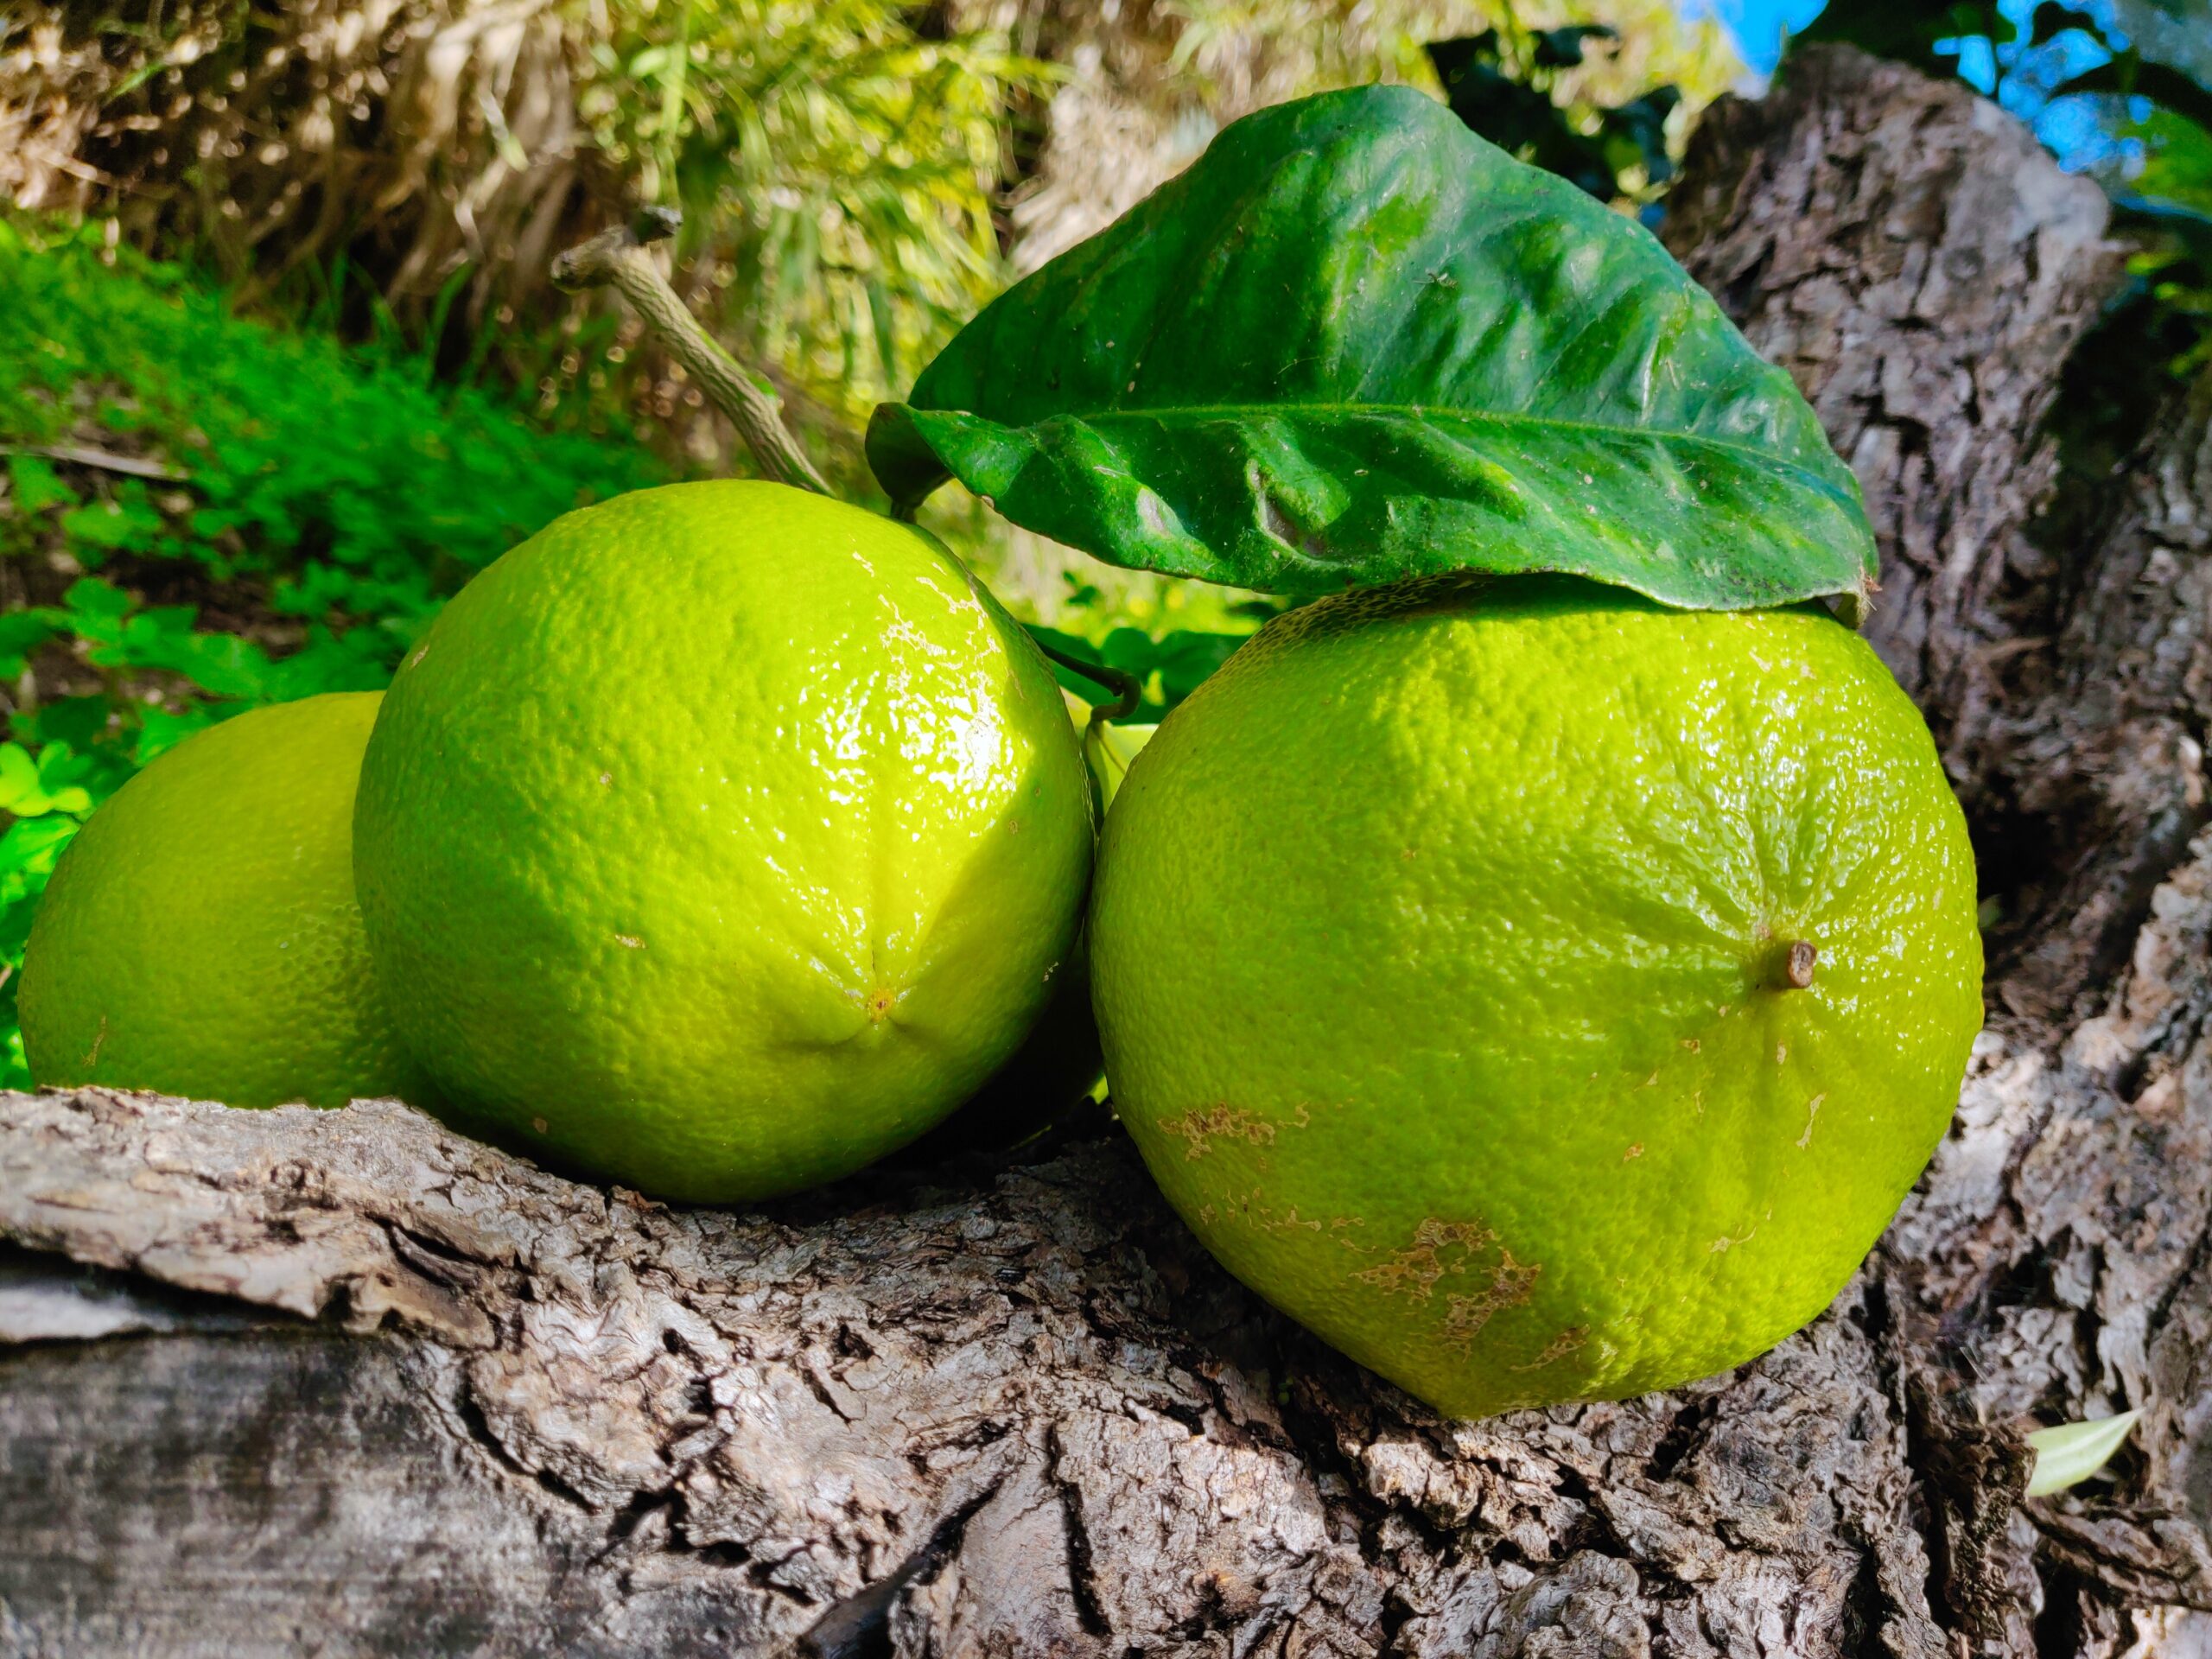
x=203, y=514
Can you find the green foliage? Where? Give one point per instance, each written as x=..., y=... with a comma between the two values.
x=343, y=481
x=1505, y=89
x=1310, y=46
x=1485, y=369
x=2169, y=203
x=327, y=500
x=1169, y=666
x=1909, y=32
x=838, y=163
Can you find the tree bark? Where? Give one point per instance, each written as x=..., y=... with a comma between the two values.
x=348, y=1383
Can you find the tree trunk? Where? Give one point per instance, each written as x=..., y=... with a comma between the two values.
x=291, y=1381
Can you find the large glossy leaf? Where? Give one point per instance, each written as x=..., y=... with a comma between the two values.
x=1354, y=341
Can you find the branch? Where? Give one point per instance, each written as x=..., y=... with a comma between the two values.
x=618, y=259
x=105, y=460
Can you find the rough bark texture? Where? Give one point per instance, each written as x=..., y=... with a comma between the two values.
x=345, y=1383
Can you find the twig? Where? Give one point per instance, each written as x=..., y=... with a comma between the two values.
x=1127, y=689
x=618, y=259
x=105, y=460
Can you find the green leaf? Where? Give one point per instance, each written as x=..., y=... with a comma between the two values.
x=126, y=525
x=1354, y=342
x=23, y=632
x=27, y=853
x=37, y=486
x=32, y=789
x=1169, y=667
x=1108, y=749
x=2070, y=1453
x=96, y=607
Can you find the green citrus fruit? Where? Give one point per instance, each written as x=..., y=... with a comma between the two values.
x=1059, y=1063
x=1447, y=948
x=1053, y=1072
x=199, y=935
x=720, y=838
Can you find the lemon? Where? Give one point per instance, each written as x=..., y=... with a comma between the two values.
x=1539, y=993
x=199, y=935
x=1054, y=1071
x=719, y=839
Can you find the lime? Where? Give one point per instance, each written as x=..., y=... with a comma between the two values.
x=719, y=839
x=199, y=935
x=1539, y=993
x=1050, y=1074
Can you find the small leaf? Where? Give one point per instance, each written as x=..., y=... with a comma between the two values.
x=37, y=486
x=1354, y=342
x=18, y=781
x=1108, y=749
x=32, y=789
x=96, y=607
x=126, y=525
x=28, y=853
x=21, y=633
x=2070, y=1453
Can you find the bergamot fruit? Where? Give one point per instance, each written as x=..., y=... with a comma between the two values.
x=719, y=839
x=199, y=935
x=1540, y=994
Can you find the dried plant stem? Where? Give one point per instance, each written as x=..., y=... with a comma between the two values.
x=618, y=258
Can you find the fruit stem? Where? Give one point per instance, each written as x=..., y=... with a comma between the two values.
x=1794, y=965
x=619, y=259
x=1127, y=689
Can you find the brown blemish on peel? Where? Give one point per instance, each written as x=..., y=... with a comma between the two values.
x=1415, y=1270
x=1201, y=1128
x=1445, y=1253
x=1558, y=1348
x=1510, y=1284
x=1812, y=1111
x=1253, y=1208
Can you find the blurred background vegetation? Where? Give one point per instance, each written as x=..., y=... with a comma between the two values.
x=280, y=365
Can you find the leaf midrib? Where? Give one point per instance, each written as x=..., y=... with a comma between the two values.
x=1667, y=435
